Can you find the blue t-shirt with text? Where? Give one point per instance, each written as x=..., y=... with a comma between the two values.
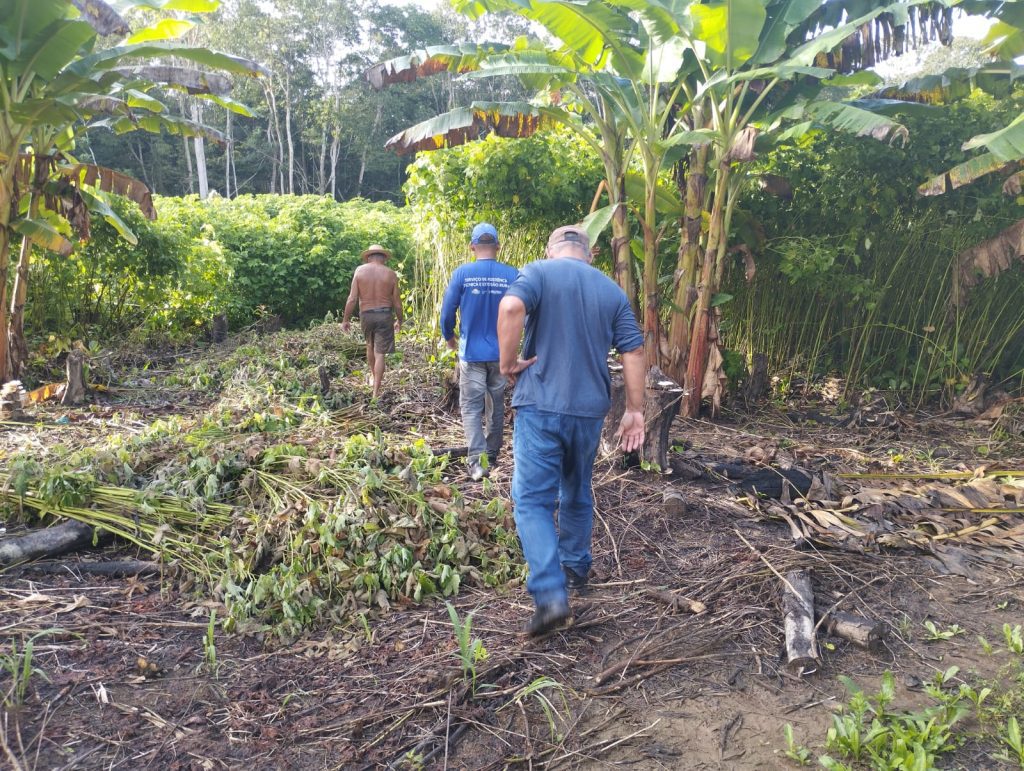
x=576, y=315
x=475, y=291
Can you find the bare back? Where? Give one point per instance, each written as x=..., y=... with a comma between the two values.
x=375, y=286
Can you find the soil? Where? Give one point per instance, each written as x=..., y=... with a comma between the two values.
x=126, y=679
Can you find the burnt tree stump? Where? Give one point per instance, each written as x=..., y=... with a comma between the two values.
x=219, y=332
x=74, y=393
x=662, y=400
x=758, y=382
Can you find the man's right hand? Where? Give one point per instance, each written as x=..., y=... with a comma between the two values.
x=453, y=343
x=346, y=327
x=512, y=373
x=631, y=430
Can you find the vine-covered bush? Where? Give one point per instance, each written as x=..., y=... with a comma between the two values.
x=288, y=255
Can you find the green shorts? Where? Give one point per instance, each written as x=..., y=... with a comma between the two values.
x=379, y=330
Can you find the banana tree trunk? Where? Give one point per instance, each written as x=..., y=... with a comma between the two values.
x=622, y=254
x=697, y=360
x=18, y=346
x=685, y=286
x=6, y=185
x=652, y=324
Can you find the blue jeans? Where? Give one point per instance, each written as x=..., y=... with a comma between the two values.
x=554, y=456
x=482, y=399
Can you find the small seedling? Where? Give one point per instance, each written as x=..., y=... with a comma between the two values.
x=539, y=689
x=209, y=645
x=1014, y=638
x=796, y=752
x=19, y=666
x=1012, y=738
x=471, y=649
x=934, y=633
x=986, y=646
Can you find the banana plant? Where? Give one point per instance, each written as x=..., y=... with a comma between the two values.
x=58, y=80
x=565, y=97
x=676, y=81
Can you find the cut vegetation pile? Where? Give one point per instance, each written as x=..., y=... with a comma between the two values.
x=289, y=503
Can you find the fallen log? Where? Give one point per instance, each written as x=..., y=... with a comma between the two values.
x=856, y=629
x=798, y=607
x=109, y=568
x=45, y=542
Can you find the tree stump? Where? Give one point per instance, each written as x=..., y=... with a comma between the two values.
x=219, y=331
x=662, y=400
x=859, y=630
x=74, y=393
x=450, y=397
x=756, y=387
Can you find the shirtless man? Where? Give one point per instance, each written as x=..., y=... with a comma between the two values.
x=375, y=288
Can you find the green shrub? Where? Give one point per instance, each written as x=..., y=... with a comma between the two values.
x=288, y=255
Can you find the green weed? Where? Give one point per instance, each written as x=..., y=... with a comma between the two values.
x=471, y=649
x=19, y=665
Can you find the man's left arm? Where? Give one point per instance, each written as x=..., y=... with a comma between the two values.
x=350, y=304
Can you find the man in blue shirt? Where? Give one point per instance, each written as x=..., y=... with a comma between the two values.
x=474, y=291
x=573, y=314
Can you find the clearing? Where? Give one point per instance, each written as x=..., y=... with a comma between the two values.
x=676, y=658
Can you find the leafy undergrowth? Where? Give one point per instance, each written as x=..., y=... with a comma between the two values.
x=867, y=732
x=291, y=507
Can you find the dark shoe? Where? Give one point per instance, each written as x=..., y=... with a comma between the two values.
x=574, y=581
x=547, y=618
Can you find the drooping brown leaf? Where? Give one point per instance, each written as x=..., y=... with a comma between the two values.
x=987, y=260
x=109, y=181
x=429, y=61
x=776, y=185
x=192, y=80
x=104, y=19
x=743, y=145
x=465, y=124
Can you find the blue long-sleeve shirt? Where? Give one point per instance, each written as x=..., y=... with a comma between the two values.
x=474, y=292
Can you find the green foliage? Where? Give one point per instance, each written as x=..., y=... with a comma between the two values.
x=1014, y=637
x=865, y=731
x=857, y=271
x=287, y=255
x=934, y=633
x=525, y=187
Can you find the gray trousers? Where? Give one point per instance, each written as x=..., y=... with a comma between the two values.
x=482, y=398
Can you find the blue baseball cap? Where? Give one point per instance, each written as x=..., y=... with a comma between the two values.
x=484, y=233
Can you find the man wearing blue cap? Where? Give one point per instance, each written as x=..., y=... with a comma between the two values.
x=475, y=291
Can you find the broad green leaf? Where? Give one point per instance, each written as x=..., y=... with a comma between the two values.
x=666, y=202
x=121, y=55
x=54, y=48
x=97, y=204
x=730, y=29
x=1006, y=144
x=185, y=6
x=165, y=29
x=663, y=63
x=228, y=104
x=782, y=18
x=596, y=222
x=43, y=234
